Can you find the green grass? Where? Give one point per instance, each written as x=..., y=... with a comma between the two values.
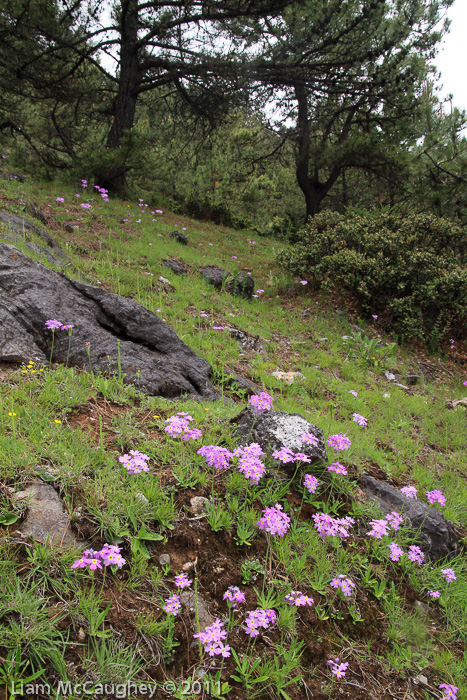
x=55, y=618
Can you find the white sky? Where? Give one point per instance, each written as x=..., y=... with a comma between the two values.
x=451, y=60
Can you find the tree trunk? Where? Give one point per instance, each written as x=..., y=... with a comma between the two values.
x=113, y=177
x=313, y=191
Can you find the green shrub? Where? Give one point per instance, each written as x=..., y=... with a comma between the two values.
x=409, y=269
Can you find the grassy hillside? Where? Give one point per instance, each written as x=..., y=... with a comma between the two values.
x=68, y=427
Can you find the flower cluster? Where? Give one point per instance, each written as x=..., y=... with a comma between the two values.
x=285, y=455
x=218, y=457
x=274, y=521
x=310, y=483
x=396, y=551
x=212, y=638
x=109, y=555
x=410, y=492
x=353, y=392
x=179, y=426
x=309, y=439
x=379, y=529
x=259, y=618
x=344, y=583
x=54, y=325
x=449, y=691
x=360, y=420
x=261, y=402
x=172, y=605
x=337, y=668
x=298, y=599
x=135, y=462
x=415, y=554
x=328, y=526
x=338, y=468
x=234, y=595
x=249, y=463
x=395, y=520
x=436, y=496
x=434, y=594
x=449, y=575
x=338, y=442
x=182, y=581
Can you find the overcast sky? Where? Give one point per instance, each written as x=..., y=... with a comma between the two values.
x=451, y=60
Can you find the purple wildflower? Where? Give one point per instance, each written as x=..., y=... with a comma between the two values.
x=436, y=496
x=309, y=439
x=449, y=575
x=337, y=467
x=85, y=205
x=53, y=324
x=415, y=554
x=67, y=327
x=379, y=529
x=60, y=199
x=344, y=583
x=249, y=463
x=298, y=599
x=135, y=462
x=353, y=392
x=274, y=521
x=360, y=420
x=410, y=492
x=234, y=596
x=310, y=483
x=395, y=520
x=218, y=457
x=328, y=526
x=182, y=581
x=337, y=668
x=338, y=442
x=261, y=402
x=449, y=691
x=434, y=594
x=396, y=551
x=172, y=605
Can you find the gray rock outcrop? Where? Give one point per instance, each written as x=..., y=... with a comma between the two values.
x=47, y=518
x=436, y=535
x=109, y=330
x=275, y=429
x=241, y=284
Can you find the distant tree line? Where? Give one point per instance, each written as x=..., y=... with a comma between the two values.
x=237, y=109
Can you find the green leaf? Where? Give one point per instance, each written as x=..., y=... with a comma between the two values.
x=8, y=518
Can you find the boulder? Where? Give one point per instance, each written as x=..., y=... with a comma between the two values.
x=179, y=236
x=47, y=518
x=111, y=333
x=275, y=429
x=22, y=226
x=176, y=266
x=241, y=284
x=436, y=535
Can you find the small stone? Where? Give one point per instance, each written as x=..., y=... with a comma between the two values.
x=180, y=237
x=390, y=376
x=421, y=606
x=164, y=559
x=198, y=505
x=81, y=634
x=387, y=395
x=189, y=565
x=420, y=680
x=141, y=497
x=322, y=340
